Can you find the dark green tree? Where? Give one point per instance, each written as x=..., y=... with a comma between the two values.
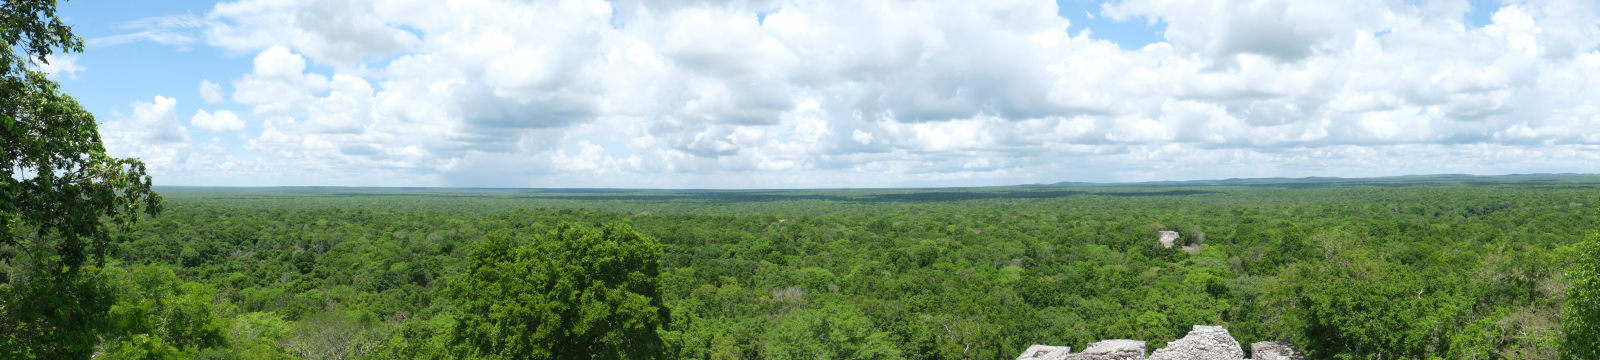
x=1580, y=318
x=56, y=181
x=574, y=293
x=60, y=195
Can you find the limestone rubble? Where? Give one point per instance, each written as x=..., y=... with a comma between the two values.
x=1045, y=352
x=1202, y=343
x=1119, y=349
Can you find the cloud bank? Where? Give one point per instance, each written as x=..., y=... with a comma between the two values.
x=758, y=94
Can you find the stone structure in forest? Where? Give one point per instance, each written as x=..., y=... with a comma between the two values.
x=1045, y=352
x=1168, y=238
x=1275, y=350
x=1120, y=349
x=1202, y=343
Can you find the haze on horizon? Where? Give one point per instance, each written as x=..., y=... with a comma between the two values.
x=831, y=94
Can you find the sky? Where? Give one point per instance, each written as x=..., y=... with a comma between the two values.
x=833, y=94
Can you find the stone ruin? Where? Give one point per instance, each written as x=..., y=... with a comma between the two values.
x=1202, y=343
x=1045, y=352
x=1275, y=350
x=1168, y=238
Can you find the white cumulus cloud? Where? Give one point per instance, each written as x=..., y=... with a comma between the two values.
x=278, y=83
x=56, y=65
x=897, y=92
x=150, y=132
x=210, y=92
x=220, y=121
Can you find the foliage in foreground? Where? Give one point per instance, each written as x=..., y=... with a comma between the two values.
x=61, y=199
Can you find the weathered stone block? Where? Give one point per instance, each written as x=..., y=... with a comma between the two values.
x=1111, y=350
x=1275, y=350
x=1045, y=352
x=1202, y=343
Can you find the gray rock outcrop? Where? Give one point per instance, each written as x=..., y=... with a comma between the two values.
x=1202, y=343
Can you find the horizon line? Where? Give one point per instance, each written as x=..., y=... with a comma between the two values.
x=1059, y=183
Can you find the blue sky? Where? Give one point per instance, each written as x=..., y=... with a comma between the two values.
x=117, y=74
x=795, y=94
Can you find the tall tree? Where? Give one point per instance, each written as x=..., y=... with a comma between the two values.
x=59, y=194
x=574, y=293
x=56, y=180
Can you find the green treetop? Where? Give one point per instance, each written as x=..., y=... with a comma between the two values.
x=574, y=293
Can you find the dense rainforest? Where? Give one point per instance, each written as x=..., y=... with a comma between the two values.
x=95, y=263
x=1459, y=268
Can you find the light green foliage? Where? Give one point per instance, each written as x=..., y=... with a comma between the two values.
x=418, y=340
x=833, y=331
x=142, y=347
x=1360, y=305
x=155, y=307
x=574, y=293
x=1478, y=341
x=1580, y=318
x=333, y=335
x=257, y=335
x=54, y=317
